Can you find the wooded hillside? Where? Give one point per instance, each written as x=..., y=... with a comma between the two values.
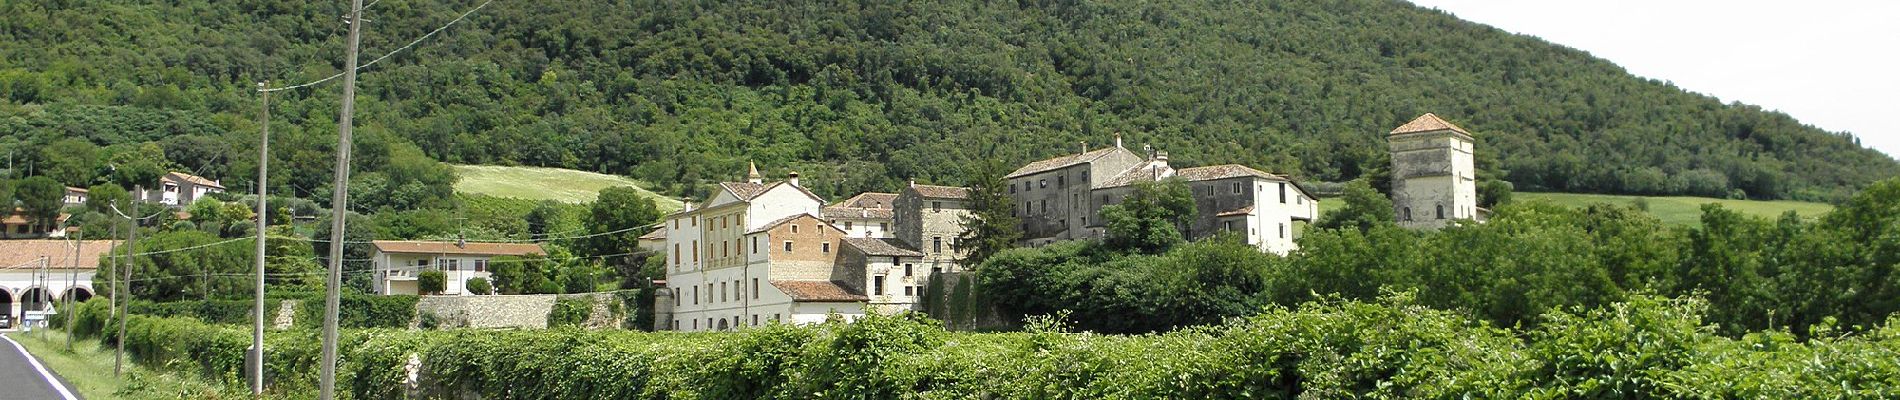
x=862, y=95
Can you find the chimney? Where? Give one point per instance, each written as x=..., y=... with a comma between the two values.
x=792, y=178
x=1149, y=150
x=687, y=205
x=1118, y=140
x=753, y=176
x=1084, y=145
x=913, y=182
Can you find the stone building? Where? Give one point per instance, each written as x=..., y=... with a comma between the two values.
x=1433, y=174
x=890, y=269
x=929, y=218
x=727, y=255
x=1053, y=195
x=1062, y=198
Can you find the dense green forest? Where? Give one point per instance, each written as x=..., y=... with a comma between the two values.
x=862, y=95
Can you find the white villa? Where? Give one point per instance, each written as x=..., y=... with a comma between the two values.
x=33, y=273
x=398, y=262
x=179, y=189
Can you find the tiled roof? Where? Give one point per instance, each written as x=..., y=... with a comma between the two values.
x=1145, y=172
x=826, y=291
x=19, y=254
x=942, y=192
x=855, y=212
x=869, y=200
x=195, y=180
x=1063, y=161
x=656, y=234
x=19, y=217
x=745, y=191
x=1223, y=171
x=1236, y=212
x=1427, y=123
x=882, y=247
x=479, y=248
x=75, y=189
x=781, y=221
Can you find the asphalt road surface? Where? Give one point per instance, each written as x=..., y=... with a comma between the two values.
x=20, y=379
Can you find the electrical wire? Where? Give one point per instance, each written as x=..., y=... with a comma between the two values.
x=412, y=43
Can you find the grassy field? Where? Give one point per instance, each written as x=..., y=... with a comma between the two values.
x=1673, y=210
x=1679, y=210
x=535, y=183
x=88, y=367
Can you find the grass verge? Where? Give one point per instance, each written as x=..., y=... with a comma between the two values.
x=88, y=368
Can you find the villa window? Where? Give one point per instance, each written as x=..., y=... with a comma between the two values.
x=884, y=226
x=755, y=288
x=755, y=245
x=877, y=285
x=788, y=246
x=907, y=269
x=1282, y=192
x=481, y=265
x=825, y=248
x=794, y=228
x=1236, y=186
x=910, y=290
x=936, y=244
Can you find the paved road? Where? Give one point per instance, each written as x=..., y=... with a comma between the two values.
x=19, y=379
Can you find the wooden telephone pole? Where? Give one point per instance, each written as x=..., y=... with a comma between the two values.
x=339, y=206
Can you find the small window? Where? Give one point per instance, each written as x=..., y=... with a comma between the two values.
x=696, y=324
x=1282, y=192
x=825, y=248
x=1408, y=213
x=847, y=225
x=722, y=291
x=755, y=320
x=910, y=290
x=775, y=318
x=877, y=285
x=755, y=288
x=788, y=246
x=755, y=245
x=1227, y=225
x=1045, y=206
x=907, y=269
x=725, y=248
x=1012, y=188
x=695, y=295
x=794, y=228
x=481, y=265
x=695, y=220
x=1042, y=183
x=1062, y=182
x=676, y=254
x=936, y=206
x=884, y=226
x=936, y=244
x=1236, y=186
x=1283, y=231
x=936, y=270
x=1441, y=211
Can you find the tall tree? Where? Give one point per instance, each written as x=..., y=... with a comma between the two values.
x=1152, y=219
x=41, y=198
x=71, y=161
x=617, y=219
x=992, y=225
x=1365, y=208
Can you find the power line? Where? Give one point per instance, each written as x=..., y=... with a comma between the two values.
x=412, y=43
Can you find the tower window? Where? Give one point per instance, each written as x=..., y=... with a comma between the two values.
x=1441, y=211
x=1282, y=192
x=1408, y=213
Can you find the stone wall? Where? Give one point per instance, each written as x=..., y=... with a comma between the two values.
x=498, y=311
x=955, y=299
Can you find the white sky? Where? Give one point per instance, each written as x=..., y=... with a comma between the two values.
x=1829, y=63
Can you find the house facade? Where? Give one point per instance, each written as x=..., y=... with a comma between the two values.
x=867, y=215
x=76, y=196
x=398, y=263
x=1053, y=194
x=1433, y=174
x=180, y=189
x=18, y=225
x=752, y=254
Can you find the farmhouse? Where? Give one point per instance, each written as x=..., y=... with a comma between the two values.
x=19, y=225
x=1062, y=198
x=179, y=189
x=33, y=273
x=399, y=262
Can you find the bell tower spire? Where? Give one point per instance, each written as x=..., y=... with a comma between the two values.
x=753, y=176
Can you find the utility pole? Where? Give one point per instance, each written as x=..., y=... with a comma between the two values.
x=339, y=206
x=263, y=177
x=131, y=239
x=72, y=279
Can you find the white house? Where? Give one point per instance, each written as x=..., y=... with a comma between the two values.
x=398, y=262
x=76, y=196
x=33, y=273
x=867, y=215
x=178, y=189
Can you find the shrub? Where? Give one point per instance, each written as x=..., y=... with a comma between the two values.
x=480, y=286
x=570, y=311
x=432, y=282
x=361, y=311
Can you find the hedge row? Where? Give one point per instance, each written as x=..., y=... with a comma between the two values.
x=1645, y=348
x=358, y=310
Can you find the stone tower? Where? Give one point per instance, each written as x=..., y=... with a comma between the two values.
x=1433, y=176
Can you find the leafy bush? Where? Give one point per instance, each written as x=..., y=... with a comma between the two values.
x=570, y=311
x=479, y=286
x=361, y=311
x=432, y=281
x=1645, y=348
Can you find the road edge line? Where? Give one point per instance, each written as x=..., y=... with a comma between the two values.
x=35, y=360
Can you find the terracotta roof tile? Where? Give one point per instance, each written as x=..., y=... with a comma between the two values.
x=1063, y=161
x=1427, y=123
x=194, y=179
x=942, y=192
x=481, y=248
x=16, y=254
x=745, y=191
x=1236, y=212
x=869, y=200
x=855, y=212
x=1223, y=171
x=822, y=291
x=882, y=247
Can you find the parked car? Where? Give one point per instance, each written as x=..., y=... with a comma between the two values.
x=6, y=322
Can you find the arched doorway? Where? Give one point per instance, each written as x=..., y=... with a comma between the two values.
x=76, y=294
x=35, y=299
x=722, y=324
x=6, y=307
